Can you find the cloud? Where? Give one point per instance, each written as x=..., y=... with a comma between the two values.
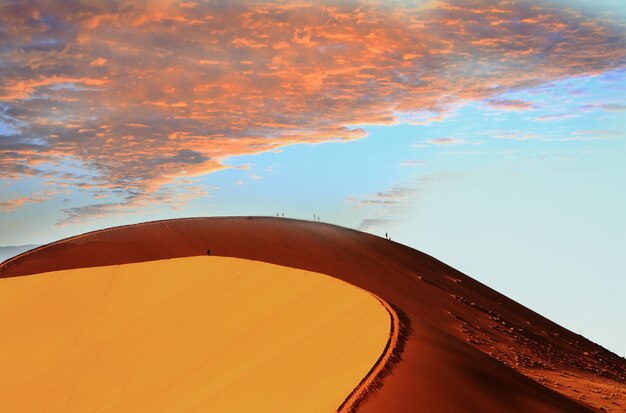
x=370, y=224
x=592, y=135
x=77, y=214
x=412, y=164
x=141, y=94
x=387, y=207
x=14, y=204
x=447, y=141
x=553, y=118
x=609, y=107
x=462, y=153
x=517, y=136
x=511, y=104
x=174, y=197
x=183, y=156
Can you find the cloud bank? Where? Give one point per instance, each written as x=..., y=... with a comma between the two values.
x=144, y=93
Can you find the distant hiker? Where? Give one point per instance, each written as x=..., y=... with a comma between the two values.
x=386, y=236
x=208, y=252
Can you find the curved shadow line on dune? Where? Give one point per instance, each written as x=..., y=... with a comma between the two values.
x=392, y=354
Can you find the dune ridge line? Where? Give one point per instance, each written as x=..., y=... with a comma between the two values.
x=4, y=264
x=373, y=380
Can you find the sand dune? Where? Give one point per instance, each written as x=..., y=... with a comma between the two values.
x=470, y=349
x=199, y=334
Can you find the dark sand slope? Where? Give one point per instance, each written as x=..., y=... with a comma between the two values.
x=471, y=349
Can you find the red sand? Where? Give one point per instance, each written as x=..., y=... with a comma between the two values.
x=471, y=349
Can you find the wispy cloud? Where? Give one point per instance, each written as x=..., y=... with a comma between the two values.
x=461, y=153
x=15, y=203
x=554, y=118
x=447, y=141
x=144, y=93
x=610, y=107
x=174, y=197
x=511, y=104
x=517, y=135
x=412, y=164
x=383, y=209
x=592, y=135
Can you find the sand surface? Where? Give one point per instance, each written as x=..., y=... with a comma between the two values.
x=199, y=334
x=470, y=348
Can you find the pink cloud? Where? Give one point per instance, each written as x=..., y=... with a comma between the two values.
x=511, y=104
x=447, y=141
x=152, y=92
x=14, y=204
x=553, y=118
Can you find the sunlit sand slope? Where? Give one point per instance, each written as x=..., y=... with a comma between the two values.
x=198, y=334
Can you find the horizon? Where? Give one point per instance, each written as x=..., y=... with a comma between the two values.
x=489, y=135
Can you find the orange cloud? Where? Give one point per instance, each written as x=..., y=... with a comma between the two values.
x=510, y=104
x=145, y=93
x=16, y=203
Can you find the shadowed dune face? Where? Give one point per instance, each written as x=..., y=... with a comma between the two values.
x=470, y=350
x=191, y=334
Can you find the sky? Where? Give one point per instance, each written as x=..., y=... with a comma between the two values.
x=489, y=134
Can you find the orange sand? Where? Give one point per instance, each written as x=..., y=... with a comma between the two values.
x=467, y=347
x=196, y=334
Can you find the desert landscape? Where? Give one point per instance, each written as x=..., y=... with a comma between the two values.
x=351, y=206
x=283, y=315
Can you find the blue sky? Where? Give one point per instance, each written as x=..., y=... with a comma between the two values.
x=492, y=139
x=540, y=220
